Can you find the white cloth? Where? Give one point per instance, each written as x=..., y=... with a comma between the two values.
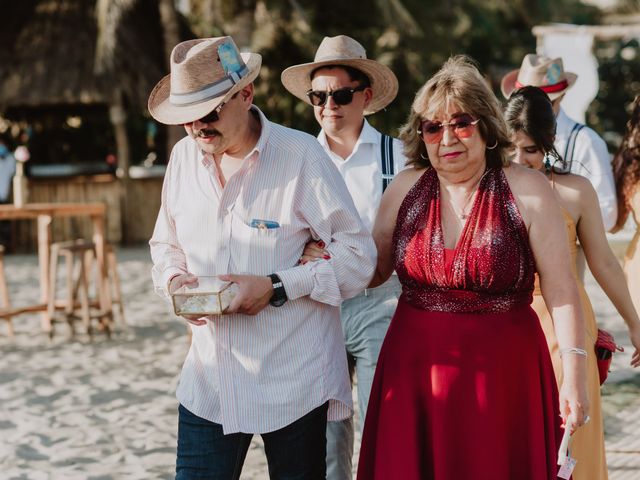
x=7, y=171
x=257, y=374
x=591, y=159
x=362, y=170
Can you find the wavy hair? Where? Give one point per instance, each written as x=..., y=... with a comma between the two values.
x=626, y=165
x=457, y=83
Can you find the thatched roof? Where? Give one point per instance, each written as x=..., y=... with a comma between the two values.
x=48, y=54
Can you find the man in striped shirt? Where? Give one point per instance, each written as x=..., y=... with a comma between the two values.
x=241, y=198
x=344, y=86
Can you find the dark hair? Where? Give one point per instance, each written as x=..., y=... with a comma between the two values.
x=530, y=111
x=626, y=165
x=458, y=82
x=355, y=75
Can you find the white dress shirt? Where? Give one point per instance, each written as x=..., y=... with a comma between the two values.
x=591, y=159
x=257, y=374
x=362, y=170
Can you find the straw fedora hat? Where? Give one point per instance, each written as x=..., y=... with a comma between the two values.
x=539, y=71
x=204, y=74
x=343, y=50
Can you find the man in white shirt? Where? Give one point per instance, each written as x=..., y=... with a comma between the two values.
x=242, y=196
x=344, y=86
x=583, y=151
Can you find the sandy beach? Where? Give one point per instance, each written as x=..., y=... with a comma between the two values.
x=105, y=409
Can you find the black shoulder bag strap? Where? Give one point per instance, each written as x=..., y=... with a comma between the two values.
x=571, y=146
x=386, y=157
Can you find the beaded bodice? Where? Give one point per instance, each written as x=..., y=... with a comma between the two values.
x=493, y=266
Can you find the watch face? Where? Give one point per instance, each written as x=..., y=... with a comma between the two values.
x=277, y=302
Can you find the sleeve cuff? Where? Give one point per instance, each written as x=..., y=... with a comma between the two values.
x=162, y=280
x=297, y=281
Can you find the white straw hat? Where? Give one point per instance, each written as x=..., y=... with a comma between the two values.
x=205, y=73
x=343, y=50
x=539, y=71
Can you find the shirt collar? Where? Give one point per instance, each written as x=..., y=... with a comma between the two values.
x=207, y=160
x=368, y=134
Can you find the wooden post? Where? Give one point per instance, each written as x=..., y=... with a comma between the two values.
x=118, y=117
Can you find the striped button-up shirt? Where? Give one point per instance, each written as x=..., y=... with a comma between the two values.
x=257, y=374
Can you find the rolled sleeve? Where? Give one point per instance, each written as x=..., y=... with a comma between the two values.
x=324, y=202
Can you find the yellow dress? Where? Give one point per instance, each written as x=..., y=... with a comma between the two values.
x=587, y=444
x=632, y=257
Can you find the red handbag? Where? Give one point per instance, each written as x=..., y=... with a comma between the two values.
x=605, y=347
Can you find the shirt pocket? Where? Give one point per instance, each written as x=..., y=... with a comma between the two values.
x=253, y=250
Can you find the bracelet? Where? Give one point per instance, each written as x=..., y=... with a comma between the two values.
x=574, y=350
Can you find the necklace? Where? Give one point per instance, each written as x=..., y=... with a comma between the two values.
x=462, y=215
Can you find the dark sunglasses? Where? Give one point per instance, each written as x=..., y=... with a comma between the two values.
x=214, y=115
x=463, y=127
x=342, y=96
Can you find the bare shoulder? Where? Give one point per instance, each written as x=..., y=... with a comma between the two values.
x=526, y=181
x=576, y=193
x=404, y=180
x=574, y=183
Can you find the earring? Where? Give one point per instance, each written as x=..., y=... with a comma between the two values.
x=423, y=157
x=547, y=162
x=494, y=146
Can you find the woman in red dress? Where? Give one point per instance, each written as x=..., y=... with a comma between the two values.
x=464, y=387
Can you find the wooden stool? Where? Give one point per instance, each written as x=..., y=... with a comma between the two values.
x=113, y=279
x=77, y=287
x=5, y=305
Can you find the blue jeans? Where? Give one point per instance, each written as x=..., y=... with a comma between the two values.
x=295, y=452
x=365, y=320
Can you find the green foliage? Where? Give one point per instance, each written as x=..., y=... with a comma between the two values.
x=619, y=73
x=413, y=37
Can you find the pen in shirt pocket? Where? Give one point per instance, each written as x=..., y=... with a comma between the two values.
x=264, y=224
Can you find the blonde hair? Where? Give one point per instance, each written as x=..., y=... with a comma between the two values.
x=458, y=82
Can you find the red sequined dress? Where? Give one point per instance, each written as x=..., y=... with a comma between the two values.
x=464, y=387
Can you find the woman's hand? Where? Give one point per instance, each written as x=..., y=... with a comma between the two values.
x=574, y=403
x=634, y=336
x=314, y=250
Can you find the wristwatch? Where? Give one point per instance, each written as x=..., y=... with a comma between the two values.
x=279, y=296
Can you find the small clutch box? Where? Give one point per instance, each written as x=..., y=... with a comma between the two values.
x=210, y=296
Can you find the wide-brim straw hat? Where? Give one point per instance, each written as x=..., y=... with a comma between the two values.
x=539, y=71
x=343, y=50
x=204, y=74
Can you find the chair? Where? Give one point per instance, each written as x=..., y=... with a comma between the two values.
x=5, y=305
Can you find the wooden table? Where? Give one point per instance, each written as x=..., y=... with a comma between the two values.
x=44, y=213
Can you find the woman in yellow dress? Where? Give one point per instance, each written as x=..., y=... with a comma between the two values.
x=626, y=170
x=530, y=118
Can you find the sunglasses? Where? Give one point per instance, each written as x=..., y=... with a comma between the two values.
x=214, y=115
x=342, y=96
x=463, y=127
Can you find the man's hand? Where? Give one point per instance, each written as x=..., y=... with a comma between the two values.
x=178, y=281
x=254, y=293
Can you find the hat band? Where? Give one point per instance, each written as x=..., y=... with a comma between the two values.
x=556, y=87
x=209, y=91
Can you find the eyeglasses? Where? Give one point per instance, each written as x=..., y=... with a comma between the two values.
x=214, y=115
x=463, y=127
x=342, y=96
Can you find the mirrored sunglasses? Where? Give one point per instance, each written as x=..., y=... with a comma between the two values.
x=463, y=126
x=342, y=96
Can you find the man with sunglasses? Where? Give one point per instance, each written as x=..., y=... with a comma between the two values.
x=343, y=86
x=242, y=197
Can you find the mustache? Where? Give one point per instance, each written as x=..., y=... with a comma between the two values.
x=206, y=132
